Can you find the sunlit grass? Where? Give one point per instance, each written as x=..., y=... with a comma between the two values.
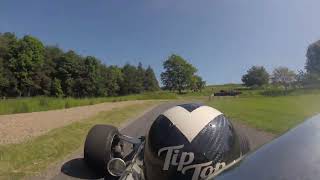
x=272, y=114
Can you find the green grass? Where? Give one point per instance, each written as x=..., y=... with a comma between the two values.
x=208, y=90
x=270, y=109
x=29, y=158
x=269, y=90
x=271, y=114
x=24, y=105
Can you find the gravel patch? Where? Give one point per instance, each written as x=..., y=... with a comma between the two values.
x=16, y=128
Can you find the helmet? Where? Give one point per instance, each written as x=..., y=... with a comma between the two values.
x=191, y=142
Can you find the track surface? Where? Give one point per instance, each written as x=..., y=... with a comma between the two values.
x=74, y=167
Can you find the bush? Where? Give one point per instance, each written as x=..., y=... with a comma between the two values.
x=276, y=92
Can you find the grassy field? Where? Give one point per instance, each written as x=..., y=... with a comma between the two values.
x=23, y=105
x=29, y=158
x=271, y=114
x=269, y=109
x=247, y=92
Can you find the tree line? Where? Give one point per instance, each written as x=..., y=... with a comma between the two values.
x=257, y=76
x=29, y=68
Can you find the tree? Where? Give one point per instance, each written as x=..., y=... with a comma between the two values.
x=8, y=83
x=307, y=80
x=313, y=59
x=27, y=68
x=67, y=71
x=197, y=84
x=312, y=77
x=256, y=76
x=150, y=82
x=283, y=76
x=178, y=73
x=7, y=42
x=26, y=58
x=140, y=75
x=4, y=81
x=90, y=76
x=56, y=89
x=113, y=80
x=46, y=74
x=85, y=77
x=51, y=56
x=201, y=84
x=131, y=81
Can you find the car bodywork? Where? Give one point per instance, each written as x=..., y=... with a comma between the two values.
x=293, y=156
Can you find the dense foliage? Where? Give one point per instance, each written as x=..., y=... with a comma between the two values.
x=28, y=68
x=256, y=76
x=283, y=76
x=180, y=75
x=311, y=78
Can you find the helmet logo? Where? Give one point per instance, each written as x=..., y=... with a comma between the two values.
x=185, y=163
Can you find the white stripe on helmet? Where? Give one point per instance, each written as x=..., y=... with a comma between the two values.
x=191, y=123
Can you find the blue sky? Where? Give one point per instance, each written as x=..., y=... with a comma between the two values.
x=222, y=38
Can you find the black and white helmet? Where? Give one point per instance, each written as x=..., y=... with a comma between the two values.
x=191, y=142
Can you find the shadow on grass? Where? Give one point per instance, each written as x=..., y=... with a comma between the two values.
x=77, y=168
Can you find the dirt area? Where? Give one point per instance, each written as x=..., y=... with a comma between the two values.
x=16, y=128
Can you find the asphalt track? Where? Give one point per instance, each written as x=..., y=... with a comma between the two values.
x=75, y=168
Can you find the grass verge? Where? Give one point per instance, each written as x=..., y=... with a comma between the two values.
x=24, y=105
x=33, y=156
x=272, y=114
